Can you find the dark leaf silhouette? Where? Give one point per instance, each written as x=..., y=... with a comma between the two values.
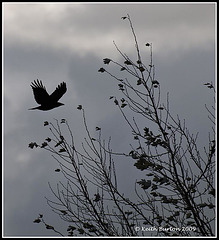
x=121, y=87
x=123, y=105
x=155, y=82
x=63, y=212
x=97, y=197
x=81, y=231
x=79, y=107
x=62, y=150
x=139, y=82
x=59, y=143
x=116, y=102
x=63, y=120
x=122, y=69
x=141, y=69
x=106, y=60
x=49, y=226
x=46, y=123
x=101, y=70
x=32, y=145
x=44, y=144
x=71, y=228
x=37, y=220
x=127, y=62
x=46, y=101
x=144, y=184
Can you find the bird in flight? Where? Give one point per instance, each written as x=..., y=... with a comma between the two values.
x=46, y=101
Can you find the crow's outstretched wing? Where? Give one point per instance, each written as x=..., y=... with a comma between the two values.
x=40, y=93
x=59, y=92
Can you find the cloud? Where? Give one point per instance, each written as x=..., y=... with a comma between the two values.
x=91, y=28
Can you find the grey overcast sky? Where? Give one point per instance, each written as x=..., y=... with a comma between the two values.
x=58, y=42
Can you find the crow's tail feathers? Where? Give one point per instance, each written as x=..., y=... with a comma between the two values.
x=33, y=108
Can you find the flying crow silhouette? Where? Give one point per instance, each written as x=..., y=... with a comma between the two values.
x=45, y=100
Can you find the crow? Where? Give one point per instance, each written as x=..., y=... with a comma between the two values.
x=46, y=101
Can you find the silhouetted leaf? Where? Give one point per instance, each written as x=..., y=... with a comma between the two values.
x=79, y=107
x=150, y=174
x=122, y=68
x=59, y=143
x=139, y=82
x=101, y=70
x=154, y=187
x=62, y=150
x=211, y=205
x=209, y=85
x=154, y=194
x=57, y=170
x=63, y=211
x=123, y=18
x=116, y=102
x=81, y=231
x=212, y=192
x=71, y=228
x=143, y=164
x=127, y=62
x=188, y=215
x=134, y=155
x=123, y=105
x=106, y=60
x=155, y=82
x=121, y=87
x=141, y=69
x=147, y=44
x=48, y=139
x=128, y=213
x=46, y=123
x=32, y=145
x=44, y=144
x=144, y=184
x=202, y=205
x=97, y=197
x=49, y=226
x=98, y=128
x=37, y=220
